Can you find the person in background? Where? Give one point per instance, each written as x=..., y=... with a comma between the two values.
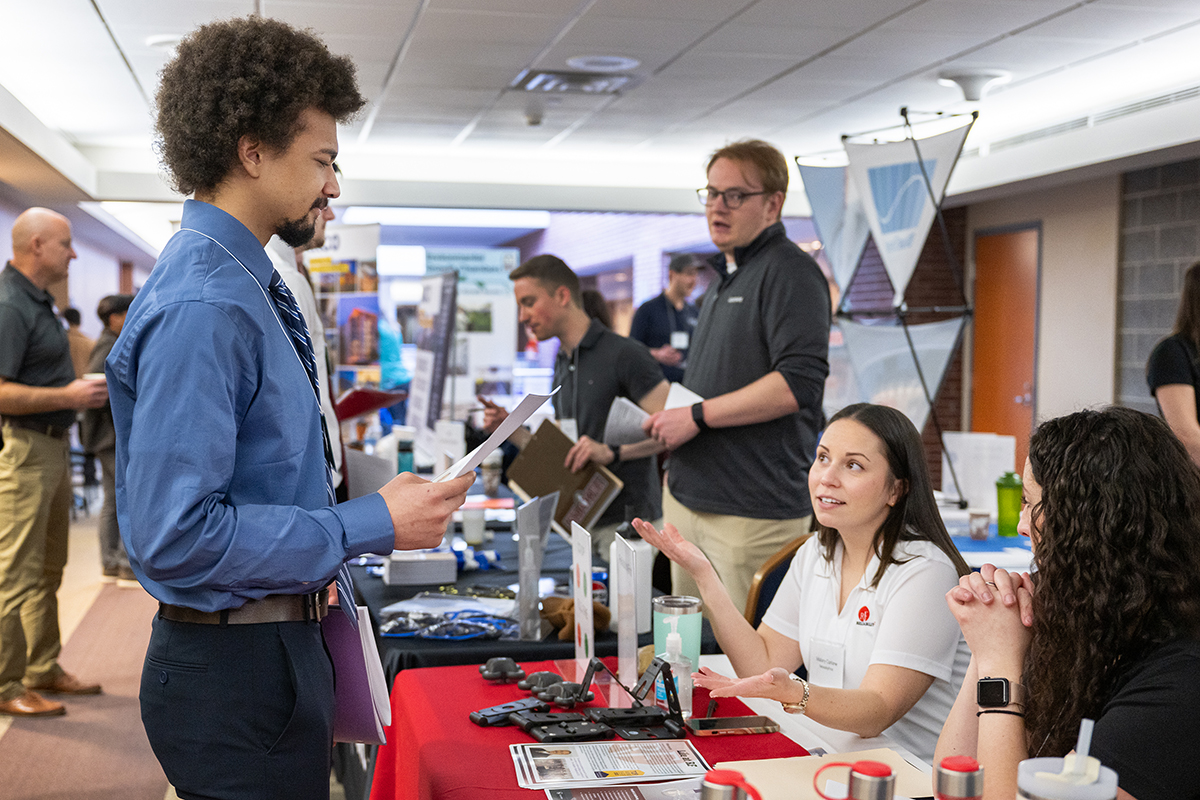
x=290, y=266
x=597, y=307
x=1173, y=371
x=97, y=435
x=224, y=492
x=666, y=323
x=594, y=366
x=81, y=343
x=739, y=457
x=1107, y=626
x=862, y=604
x=39, y=395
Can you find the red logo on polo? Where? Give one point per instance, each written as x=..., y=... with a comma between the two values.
x=864, y=614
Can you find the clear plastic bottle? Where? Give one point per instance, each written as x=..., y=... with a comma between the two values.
x=681, y=670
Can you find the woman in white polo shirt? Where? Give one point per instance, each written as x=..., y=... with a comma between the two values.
x=862, y=606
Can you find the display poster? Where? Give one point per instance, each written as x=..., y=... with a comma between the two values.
x=346, y=286
x=486, y=324
x=435, y=327
x=900, y=195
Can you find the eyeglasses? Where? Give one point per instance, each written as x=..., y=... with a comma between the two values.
x=733, y=197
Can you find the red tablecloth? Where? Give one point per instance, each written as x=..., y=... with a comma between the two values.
x=435, y=752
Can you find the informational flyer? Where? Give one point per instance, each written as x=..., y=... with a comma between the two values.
x=687, y=789
x=587, y=764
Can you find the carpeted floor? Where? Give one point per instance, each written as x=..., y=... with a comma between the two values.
x=98, y=751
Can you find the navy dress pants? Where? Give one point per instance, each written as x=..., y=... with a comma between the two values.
x=240, y=712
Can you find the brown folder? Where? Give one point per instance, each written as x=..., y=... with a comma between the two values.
x=582, y=496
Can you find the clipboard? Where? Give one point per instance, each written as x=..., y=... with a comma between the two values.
x=582, y=496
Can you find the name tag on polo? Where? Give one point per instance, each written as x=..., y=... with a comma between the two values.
x=736, y=299
x=826, y=664
x=679, y=340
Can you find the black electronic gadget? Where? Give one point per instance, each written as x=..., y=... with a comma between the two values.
x=527, y=720
x=998, y=693
x=501, y=669
x=638, y=717
x=572, y=732
x=632, y=727
x=723, y=726
x=496, y=716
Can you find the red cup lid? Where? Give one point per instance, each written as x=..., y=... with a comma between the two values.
x=873, y=769
x=960, y=764
x=724, y=777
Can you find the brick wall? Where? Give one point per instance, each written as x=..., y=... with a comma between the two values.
x=1160, y=238
x=935, y=282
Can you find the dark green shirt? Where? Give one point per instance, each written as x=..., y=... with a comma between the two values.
x=34, y=350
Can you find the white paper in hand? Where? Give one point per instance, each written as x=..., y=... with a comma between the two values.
x=624, y=424
x=680, y=396
x=529, y=404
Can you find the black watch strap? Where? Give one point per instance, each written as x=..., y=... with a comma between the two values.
x=616, y=451
x=698, y=415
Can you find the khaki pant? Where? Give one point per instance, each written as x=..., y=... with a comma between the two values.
x=736, y=546
x=35, y=497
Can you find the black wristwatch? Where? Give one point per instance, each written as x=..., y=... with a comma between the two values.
x=698, y=415
x=999, y=693
x=616, y=451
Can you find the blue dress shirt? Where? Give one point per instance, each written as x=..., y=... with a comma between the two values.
x=221, y=493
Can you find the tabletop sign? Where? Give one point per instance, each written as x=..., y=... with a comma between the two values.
x=529, y=569
x=581, y=589
x=624, y=559
x=533, y=529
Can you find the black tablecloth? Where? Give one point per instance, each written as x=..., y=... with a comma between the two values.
x=405, y=653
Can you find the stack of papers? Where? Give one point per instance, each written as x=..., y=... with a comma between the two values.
x=611, y=763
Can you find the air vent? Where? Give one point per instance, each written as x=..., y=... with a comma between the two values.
x=544, y=81
x=1099, y=118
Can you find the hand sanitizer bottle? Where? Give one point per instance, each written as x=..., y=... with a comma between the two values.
x=681, y=670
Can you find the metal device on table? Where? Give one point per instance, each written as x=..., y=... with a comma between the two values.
x=533, y=714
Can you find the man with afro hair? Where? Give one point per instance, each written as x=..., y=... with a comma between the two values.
x=223, y=493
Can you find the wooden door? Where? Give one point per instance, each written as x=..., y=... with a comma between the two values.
x=1003, y=389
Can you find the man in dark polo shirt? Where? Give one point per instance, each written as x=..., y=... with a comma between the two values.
x=666, y=323
x=738, y=481
x=594, y=367
x=38, y=397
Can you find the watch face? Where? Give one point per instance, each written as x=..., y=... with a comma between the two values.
x=992, y=692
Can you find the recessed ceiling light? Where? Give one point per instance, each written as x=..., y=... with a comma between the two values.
x=164, y=41
x=603, y=63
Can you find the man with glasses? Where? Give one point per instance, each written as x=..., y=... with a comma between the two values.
x=737, y=483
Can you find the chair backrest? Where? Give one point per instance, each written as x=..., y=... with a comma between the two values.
x=768, y=578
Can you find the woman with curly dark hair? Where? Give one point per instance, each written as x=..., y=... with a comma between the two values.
x=1107, y=627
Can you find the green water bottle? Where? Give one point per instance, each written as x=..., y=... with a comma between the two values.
x=1008, y=502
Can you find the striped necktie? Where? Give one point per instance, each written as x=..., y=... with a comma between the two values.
x=293, y=321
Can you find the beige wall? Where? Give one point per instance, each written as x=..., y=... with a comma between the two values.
x=1077, y=322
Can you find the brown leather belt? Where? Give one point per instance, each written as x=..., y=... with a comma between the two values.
x=54, y=431
x=272, y=608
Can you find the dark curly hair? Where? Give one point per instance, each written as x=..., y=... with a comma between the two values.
x=915, y=516
x=246, y=76
x=1117, y=562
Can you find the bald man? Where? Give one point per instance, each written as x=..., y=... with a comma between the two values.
x=38, y=398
